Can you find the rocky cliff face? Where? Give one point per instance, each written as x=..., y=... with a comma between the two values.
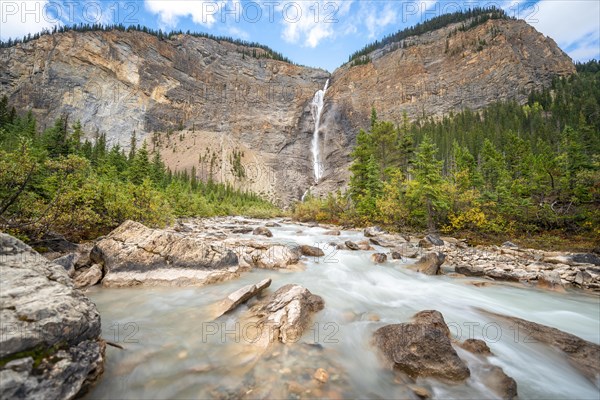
x=120, y=82
x=433, y=74
x=202, y=102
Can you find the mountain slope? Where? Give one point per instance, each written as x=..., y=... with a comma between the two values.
x=434, y=74
x=210, y=105
x=120, y=82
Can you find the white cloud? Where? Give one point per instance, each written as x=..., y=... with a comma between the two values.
x=375, y=21
x=309, y=23
x=203, y=12
x=17, y=19
x=236, y=32
x=573, y=24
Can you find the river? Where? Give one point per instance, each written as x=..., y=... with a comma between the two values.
x=173, y=350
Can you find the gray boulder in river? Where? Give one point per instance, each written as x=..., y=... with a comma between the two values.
x=134, y=254
x=50, y=346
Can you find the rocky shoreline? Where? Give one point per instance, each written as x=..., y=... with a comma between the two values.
x=196, y=252
x=50, y=346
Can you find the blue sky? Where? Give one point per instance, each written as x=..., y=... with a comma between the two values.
x=319, y=33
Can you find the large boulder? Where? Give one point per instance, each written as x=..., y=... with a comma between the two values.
x=285, y=315
x=135, y=255
x=421, y=348
x=50, y=347
x=429, y=264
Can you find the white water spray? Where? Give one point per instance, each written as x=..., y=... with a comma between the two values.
x=316, y=110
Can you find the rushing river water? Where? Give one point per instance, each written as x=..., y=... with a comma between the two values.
x=172, y=350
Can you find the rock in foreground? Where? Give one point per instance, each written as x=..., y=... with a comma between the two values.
x=421, y=348
x=50, y=346
x=241, y=296
x=135, y=255
x=285, y=315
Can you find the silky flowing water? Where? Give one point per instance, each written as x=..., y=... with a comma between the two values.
x=173, y=350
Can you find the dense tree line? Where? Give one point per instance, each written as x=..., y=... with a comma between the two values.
x=58, y=181
x=266, y=53
x=507, y=168
x=477, y=15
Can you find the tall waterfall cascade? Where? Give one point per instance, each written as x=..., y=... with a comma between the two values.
x=316, y=110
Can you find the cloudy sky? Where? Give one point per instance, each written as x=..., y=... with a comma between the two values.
x=320, y=33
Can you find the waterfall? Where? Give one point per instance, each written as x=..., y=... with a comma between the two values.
x=316, y=110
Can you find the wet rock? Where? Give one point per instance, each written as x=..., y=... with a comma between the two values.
x=470, y=270
x=396, y=255
x=240, y=296
x=434, y=240
x=407, y=250
x=586, y=258
x=388, y=240
x=242, y=231
x=67, y=262
x=373, y=231
x=321, y=375
x=272, y=225
x=373, y=317
x=311, y=251
x=284, y=315
x=429, y=264
x=42, y=312
x=583, y=355
x=476, y=346
x=496, y=379
x=420, y=392
x=135, y=255
x=421, y=348
x=276, y=257
x=378, y=258
x=430, y=241
x=550, y=280
x=510, y=245
x=334, y=232
x=88, y=277
x=578, y=278
x=364, y=245
x=261, y=230
x=351, y=245
x=55, y=242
